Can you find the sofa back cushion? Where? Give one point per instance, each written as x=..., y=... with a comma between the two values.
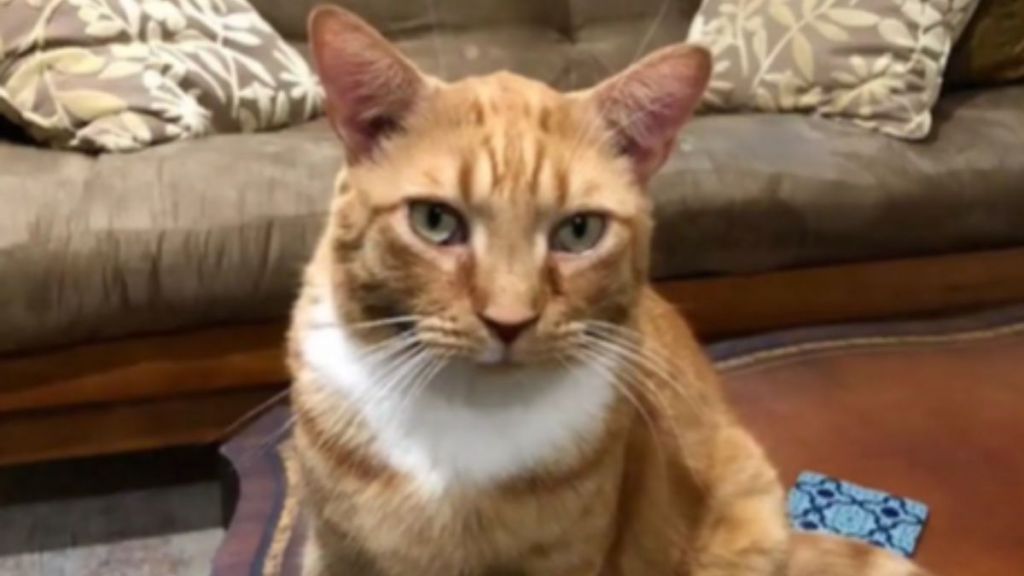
x=566, y=43
x=991, y=50
x=403, y=18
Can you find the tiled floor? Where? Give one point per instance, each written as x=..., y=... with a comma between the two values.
x=171, y=528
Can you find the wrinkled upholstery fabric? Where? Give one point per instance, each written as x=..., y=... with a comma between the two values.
x=216, y=231
x=760, y=192
x=181, y=235
x=401, y=19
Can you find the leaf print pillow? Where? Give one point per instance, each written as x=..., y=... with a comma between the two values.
x=876, y=63
x=119, y=75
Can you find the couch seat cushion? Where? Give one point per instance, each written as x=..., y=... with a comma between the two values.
x=217, y=230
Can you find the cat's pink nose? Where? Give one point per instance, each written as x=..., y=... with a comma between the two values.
x=508, y=329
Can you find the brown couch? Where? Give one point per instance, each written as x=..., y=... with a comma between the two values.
x=142, y=296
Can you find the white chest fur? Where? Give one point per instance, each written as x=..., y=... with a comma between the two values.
x=472, y=425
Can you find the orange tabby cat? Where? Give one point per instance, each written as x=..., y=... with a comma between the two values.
x=484, y=381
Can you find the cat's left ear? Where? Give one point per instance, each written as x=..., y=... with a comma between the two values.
x=646, y=105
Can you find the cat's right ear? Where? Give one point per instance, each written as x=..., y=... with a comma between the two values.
x=369, y=86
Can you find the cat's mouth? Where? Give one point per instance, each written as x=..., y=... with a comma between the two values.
x=497, y=354
x=447, y=340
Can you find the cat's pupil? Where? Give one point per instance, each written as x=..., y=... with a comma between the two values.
x=434, y=217
x=579, y=226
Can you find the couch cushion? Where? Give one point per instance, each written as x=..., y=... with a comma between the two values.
x=403, y=19
x=217, y=230
x=567, y=43
x=188, y=234
x=760, y=192
x=597, y=50
x=533, y=52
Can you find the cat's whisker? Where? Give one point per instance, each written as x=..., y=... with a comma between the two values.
x=643, y=359
x=412, y=378
x=375, y=351
x=659, y=433
x=666, y=381
x=389, y=321
x=698, y=406
x=632, y=339
x=274, y=437
x=629, y=376
x=632, y=347
x=591, y=360
x=386, y=373
x=356, y=326
x=384, y=357
x=419, y=381
x=635, y=371
x=391, y=377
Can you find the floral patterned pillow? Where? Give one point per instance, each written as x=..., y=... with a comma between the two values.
x=119, y=75
x=877, y=63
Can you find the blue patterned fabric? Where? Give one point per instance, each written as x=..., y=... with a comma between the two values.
x=819, y=503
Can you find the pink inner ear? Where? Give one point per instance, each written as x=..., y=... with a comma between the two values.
x=649, y=103
x=370, y=86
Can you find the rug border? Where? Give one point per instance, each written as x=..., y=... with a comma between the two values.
x=756, y=350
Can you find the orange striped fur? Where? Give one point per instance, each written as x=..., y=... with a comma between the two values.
x=595, y=442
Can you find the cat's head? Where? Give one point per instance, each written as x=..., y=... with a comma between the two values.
x=501, y=218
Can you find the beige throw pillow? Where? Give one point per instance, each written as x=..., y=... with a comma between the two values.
x=877, y=63
x=118, y=75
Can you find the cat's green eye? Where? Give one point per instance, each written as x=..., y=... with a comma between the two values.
x=579, y=233
x=437, y=223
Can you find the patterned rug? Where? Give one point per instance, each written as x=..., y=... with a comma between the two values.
x=266, y=535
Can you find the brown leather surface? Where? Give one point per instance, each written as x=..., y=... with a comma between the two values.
x=943, y=425
x=121, y=428
x=736, y=305
x=193, y=364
